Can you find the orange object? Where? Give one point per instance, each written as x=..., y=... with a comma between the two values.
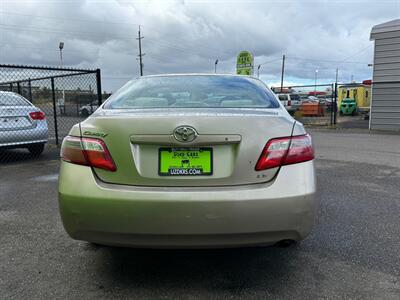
x=311, y=110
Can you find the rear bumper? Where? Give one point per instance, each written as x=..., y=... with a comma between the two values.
x=188, y=217
x=24, y=137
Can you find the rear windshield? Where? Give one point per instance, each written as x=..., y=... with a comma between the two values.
x=7, y=99
x=195, y=91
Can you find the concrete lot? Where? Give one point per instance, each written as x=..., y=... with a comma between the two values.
x=352, y=253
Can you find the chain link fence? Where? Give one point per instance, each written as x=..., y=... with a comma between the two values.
x=39, y=105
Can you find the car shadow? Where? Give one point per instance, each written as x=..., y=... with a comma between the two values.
x=10, y=156
x=231, y=271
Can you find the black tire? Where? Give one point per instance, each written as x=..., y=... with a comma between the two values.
x=36, y=149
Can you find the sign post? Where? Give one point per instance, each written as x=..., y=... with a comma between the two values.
x=245, y=63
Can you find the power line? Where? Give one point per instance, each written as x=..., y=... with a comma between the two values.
x=270, y=61
x=184, y=49
x=45, y=30
x=95, y=34
x=75, y=20
x=51, y=30
x=42, y=49
x=326, y=60
x=358, y=52
x=66, y=19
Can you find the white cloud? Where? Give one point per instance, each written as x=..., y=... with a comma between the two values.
x=187, y=36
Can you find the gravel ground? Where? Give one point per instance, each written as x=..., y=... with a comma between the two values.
x=352, y=253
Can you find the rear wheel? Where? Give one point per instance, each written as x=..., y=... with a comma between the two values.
x=36, y=149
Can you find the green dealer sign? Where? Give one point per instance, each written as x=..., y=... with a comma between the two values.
x=245, y=63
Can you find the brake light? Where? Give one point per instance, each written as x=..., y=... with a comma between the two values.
x=289, y=103
x=285, y=151
x=88, y=152
x=37, y=115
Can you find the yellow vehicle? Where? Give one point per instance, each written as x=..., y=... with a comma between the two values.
x=361, y=93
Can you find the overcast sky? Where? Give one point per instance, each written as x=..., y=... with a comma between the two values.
x=188, y=36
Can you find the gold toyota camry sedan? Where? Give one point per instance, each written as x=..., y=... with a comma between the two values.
x=188, y=161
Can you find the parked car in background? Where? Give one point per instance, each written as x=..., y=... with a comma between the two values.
x=291, y=102
x=188, y=161
x=22, y=125
x=88, y=109
x=320, y=100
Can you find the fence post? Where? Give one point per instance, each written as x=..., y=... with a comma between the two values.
x=18, y=88
x=53, y=92
x=30, y=89
x=332, y=106
x=98, y=84
x=11, y=87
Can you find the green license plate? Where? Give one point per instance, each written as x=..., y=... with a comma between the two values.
x=185, y=161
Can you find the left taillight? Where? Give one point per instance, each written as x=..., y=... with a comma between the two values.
x=88, y=152
x=285, y=151
x=37, y=115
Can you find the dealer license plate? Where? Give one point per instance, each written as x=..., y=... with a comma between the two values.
x=185, y=161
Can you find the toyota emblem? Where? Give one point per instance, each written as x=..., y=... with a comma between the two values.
x=185, y=134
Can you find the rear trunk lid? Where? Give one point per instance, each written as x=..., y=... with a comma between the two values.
x=15, y=117
x=236, y=137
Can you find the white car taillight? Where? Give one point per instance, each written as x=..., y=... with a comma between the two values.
x=88, y=152
x=285, y=151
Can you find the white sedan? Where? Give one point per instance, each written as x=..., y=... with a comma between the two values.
x=22, y=125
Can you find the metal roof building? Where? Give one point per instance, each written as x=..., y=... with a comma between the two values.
x=385, y=104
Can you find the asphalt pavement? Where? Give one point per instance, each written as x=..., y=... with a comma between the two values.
x=352, y=253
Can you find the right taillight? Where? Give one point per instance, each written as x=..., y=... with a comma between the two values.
x=88, y=152
x=289, y=103
x=285, y=151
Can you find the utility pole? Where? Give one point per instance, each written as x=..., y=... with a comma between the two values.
x=337, y=75
x=215, y=66
x=258, y=71
x=283, y=71
x=62, y=102
x=334, y=104
x=139, y=38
